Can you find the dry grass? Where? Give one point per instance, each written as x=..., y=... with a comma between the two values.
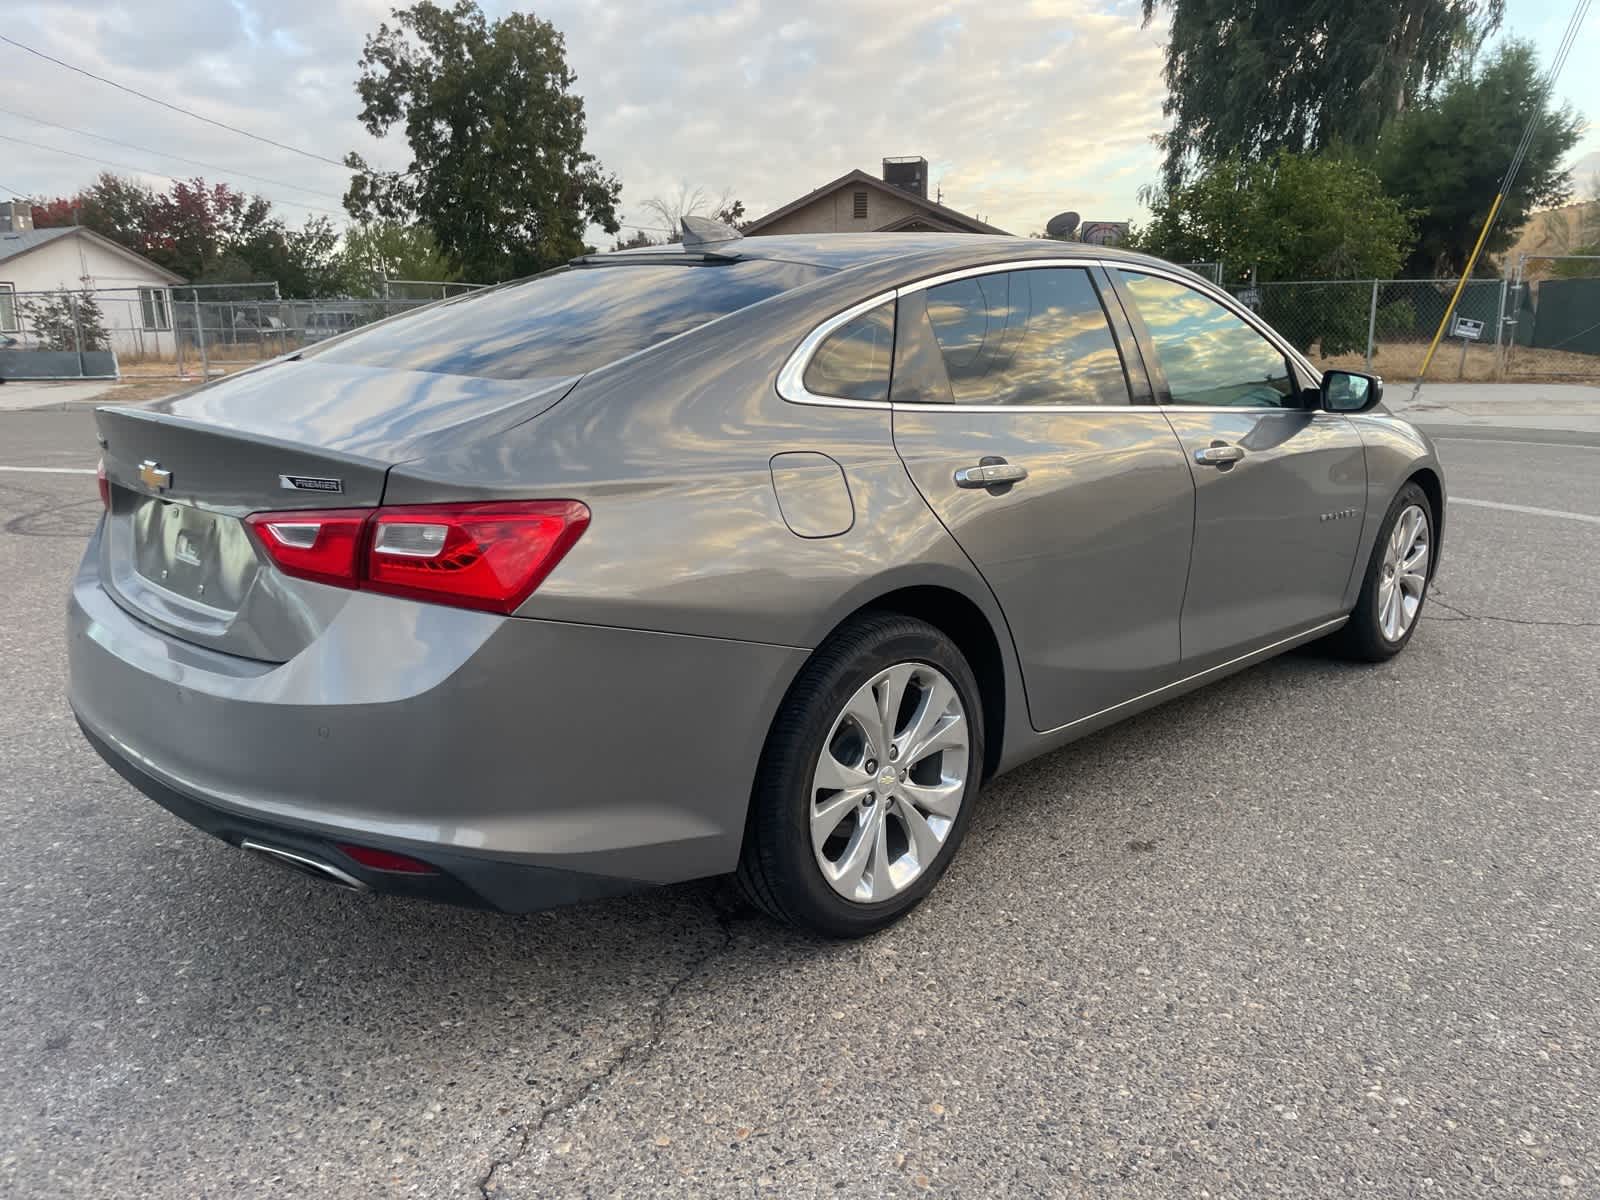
x=1402, y=360
x=147, y=388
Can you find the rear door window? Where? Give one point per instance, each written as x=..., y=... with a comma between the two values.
x=1027, y=338
x=567, y=322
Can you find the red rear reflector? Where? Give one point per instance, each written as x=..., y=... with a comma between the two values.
x=488, y=555
x=105, y=484
x=323, y=545
x=387, y=860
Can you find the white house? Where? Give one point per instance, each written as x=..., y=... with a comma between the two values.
x=130, y=290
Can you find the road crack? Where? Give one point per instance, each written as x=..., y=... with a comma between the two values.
x=1462, y=614
x=634, y=1052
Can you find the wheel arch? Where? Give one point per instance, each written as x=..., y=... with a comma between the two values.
x=1433, y=487
x=964, y=623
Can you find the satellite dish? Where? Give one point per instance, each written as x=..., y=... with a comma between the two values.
x=1061, y=225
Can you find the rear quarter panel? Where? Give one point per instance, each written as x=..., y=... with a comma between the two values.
x=672, y=451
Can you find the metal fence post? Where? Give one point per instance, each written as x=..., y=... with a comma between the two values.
x=1372, y=324
x=77, y=333
x=200, y=337
x=1499, y=327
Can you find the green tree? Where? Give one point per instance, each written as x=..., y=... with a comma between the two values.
x=116, y=208
x=1291, y=217
x=498, y=171
x=1251, y=77
x=1294, y=216
x=305, y=263
x=1446, y=159
x=376, y=251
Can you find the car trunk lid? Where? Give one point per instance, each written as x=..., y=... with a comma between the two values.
x=184, y=473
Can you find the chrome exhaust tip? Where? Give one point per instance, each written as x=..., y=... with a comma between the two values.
x=305, y=865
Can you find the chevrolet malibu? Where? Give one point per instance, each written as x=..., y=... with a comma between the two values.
x=745, y=555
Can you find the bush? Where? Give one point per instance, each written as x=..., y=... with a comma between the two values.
x=53, y=323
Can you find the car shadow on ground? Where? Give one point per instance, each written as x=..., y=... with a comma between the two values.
x=641, y=941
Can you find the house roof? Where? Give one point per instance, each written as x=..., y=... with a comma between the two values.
x=13, y=244
x=25, y=241
x=857, y=178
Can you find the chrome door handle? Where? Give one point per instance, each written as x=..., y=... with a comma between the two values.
x=1219, y=455
x=990, y=475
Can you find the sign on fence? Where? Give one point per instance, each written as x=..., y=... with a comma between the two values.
x=1467, y=328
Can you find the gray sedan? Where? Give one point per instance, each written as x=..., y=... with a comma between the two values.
x=749, y=555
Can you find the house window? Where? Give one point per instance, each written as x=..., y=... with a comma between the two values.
x=861, y=206
x=153, y=311
x=8, y=308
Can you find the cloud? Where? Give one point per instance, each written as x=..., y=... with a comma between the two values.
x=1022, y=108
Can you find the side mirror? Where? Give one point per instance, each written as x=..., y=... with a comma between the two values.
x=1350, y=391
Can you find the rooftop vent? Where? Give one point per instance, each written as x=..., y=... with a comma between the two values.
x=16, y=216
x=907, y=174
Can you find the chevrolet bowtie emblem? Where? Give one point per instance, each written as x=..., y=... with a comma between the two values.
x=153, y=476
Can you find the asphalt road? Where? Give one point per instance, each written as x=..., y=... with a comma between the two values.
x=1316, y=931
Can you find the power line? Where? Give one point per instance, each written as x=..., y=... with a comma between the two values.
x=295, y=187
x=6, y=137
x=14, y=192
x=1579, y=11
x=174, y=107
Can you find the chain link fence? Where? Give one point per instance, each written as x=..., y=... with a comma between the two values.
x=1543, y=323
x=1553, y=318
x=1386, y=325
x=1206, y=270
x=190, y=331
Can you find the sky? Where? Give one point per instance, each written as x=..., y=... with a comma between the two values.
x=1022, y=109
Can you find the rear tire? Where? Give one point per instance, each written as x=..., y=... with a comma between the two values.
x=1395, y=587
x=856, y=813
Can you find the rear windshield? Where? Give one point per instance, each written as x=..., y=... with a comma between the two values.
x=565, y=323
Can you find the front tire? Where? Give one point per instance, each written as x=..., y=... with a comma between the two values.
x=865, y=787
x=1396, y=583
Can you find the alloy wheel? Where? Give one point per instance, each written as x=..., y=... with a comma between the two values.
x=889, y=782
x=1405, y=573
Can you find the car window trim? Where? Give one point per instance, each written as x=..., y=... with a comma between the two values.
x=792, y=388
x=791, y=376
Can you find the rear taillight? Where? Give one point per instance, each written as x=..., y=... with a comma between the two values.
x=105, y=484
x=479, y=555
x=324, y=546
x=489, y=555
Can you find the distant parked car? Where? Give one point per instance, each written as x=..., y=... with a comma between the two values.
x=326, y=323
x=746, y=555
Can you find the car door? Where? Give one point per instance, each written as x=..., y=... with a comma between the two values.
x=1280, y=486
x=1012, y=392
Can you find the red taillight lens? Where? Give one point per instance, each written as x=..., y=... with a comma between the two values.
x=105, y=484
x=387, y=860
x=489, y=555
x=323, y=545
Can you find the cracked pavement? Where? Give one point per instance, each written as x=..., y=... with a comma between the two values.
x=1318, y=930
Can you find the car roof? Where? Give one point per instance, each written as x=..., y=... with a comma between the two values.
x=842, y=251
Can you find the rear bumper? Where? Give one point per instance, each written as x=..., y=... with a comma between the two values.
x=533, y=762
x=462, y=879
